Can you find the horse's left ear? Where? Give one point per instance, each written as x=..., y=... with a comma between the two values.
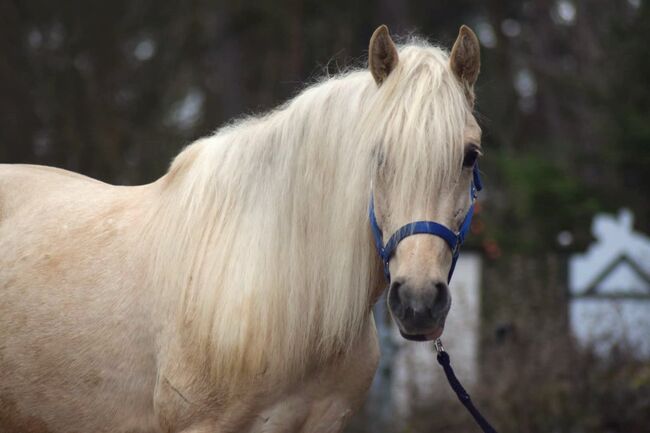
x=382, y=54
x=465, y=58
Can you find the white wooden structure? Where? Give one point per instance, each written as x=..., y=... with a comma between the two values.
x=610, y=288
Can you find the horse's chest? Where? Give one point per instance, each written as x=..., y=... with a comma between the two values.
x=322, y=402
x=300, y=414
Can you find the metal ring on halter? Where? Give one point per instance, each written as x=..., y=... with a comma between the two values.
x=456, y=250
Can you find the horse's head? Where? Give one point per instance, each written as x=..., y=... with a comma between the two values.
x=424, y=165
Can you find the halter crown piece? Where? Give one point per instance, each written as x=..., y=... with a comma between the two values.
x=454, y=239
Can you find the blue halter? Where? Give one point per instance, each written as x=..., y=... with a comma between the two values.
x=454, y=240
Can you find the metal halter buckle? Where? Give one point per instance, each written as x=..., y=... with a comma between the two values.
x=438, y=345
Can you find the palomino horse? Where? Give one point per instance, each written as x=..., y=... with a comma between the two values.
x=234, y=294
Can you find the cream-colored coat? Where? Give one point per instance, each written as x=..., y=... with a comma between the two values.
x=80, y=347
x=234, y=294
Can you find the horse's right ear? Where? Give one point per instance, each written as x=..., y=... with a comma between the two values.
x=382, y=54
x=465, y=59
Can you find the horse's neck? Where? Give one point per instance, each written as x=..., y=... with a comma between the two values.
x=264, y=236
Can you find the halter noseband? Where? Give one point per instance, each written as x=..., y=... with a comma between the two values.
x=453, y=239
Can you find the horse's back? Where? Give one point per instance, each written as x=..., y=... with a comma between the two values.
x=23, y=184
x=73, y=316
x=38, y=207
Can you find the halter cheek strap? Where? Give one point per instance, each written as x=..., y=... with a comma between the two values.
x=453, y=239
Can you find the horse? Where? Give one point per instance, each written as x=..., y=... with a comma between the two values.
x=235, y=293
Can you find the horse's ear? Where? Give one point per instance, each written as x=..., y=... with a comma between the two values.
x=382, y=54
x=465, y=58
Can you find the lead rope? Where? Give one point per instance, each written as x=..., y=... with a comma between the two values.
x=463, y=396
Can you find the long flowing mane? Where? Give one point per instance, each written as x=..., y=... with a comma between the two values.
x=261, y=238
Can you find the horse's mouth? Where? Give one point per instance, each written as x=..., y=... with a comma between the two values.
x=430, y=336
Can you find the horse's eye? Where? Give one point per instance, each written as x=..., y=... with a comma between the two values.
x=470, y=158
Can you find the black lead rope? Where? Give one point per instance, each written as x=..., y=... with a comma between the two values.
x=463, y=396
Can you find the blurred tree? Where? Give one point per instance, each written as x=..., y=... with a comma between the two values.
x=114, y=90
x=555, y=115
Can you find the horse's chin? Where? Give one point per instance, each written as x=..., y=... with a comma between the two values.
x=430, y=336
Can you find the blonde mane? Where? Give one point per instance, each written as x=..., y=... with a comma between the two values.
x=262, y=236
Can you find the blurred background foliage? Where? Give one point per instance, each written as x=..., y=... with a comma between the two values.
x=115, y=89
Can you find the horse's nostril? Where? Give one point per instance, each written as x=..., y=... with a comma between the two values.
x=408, y=313
x=394, y=293
x=441, y=300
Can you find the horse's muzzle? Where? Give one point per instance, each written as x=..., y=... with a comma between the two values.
x=420, y=311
